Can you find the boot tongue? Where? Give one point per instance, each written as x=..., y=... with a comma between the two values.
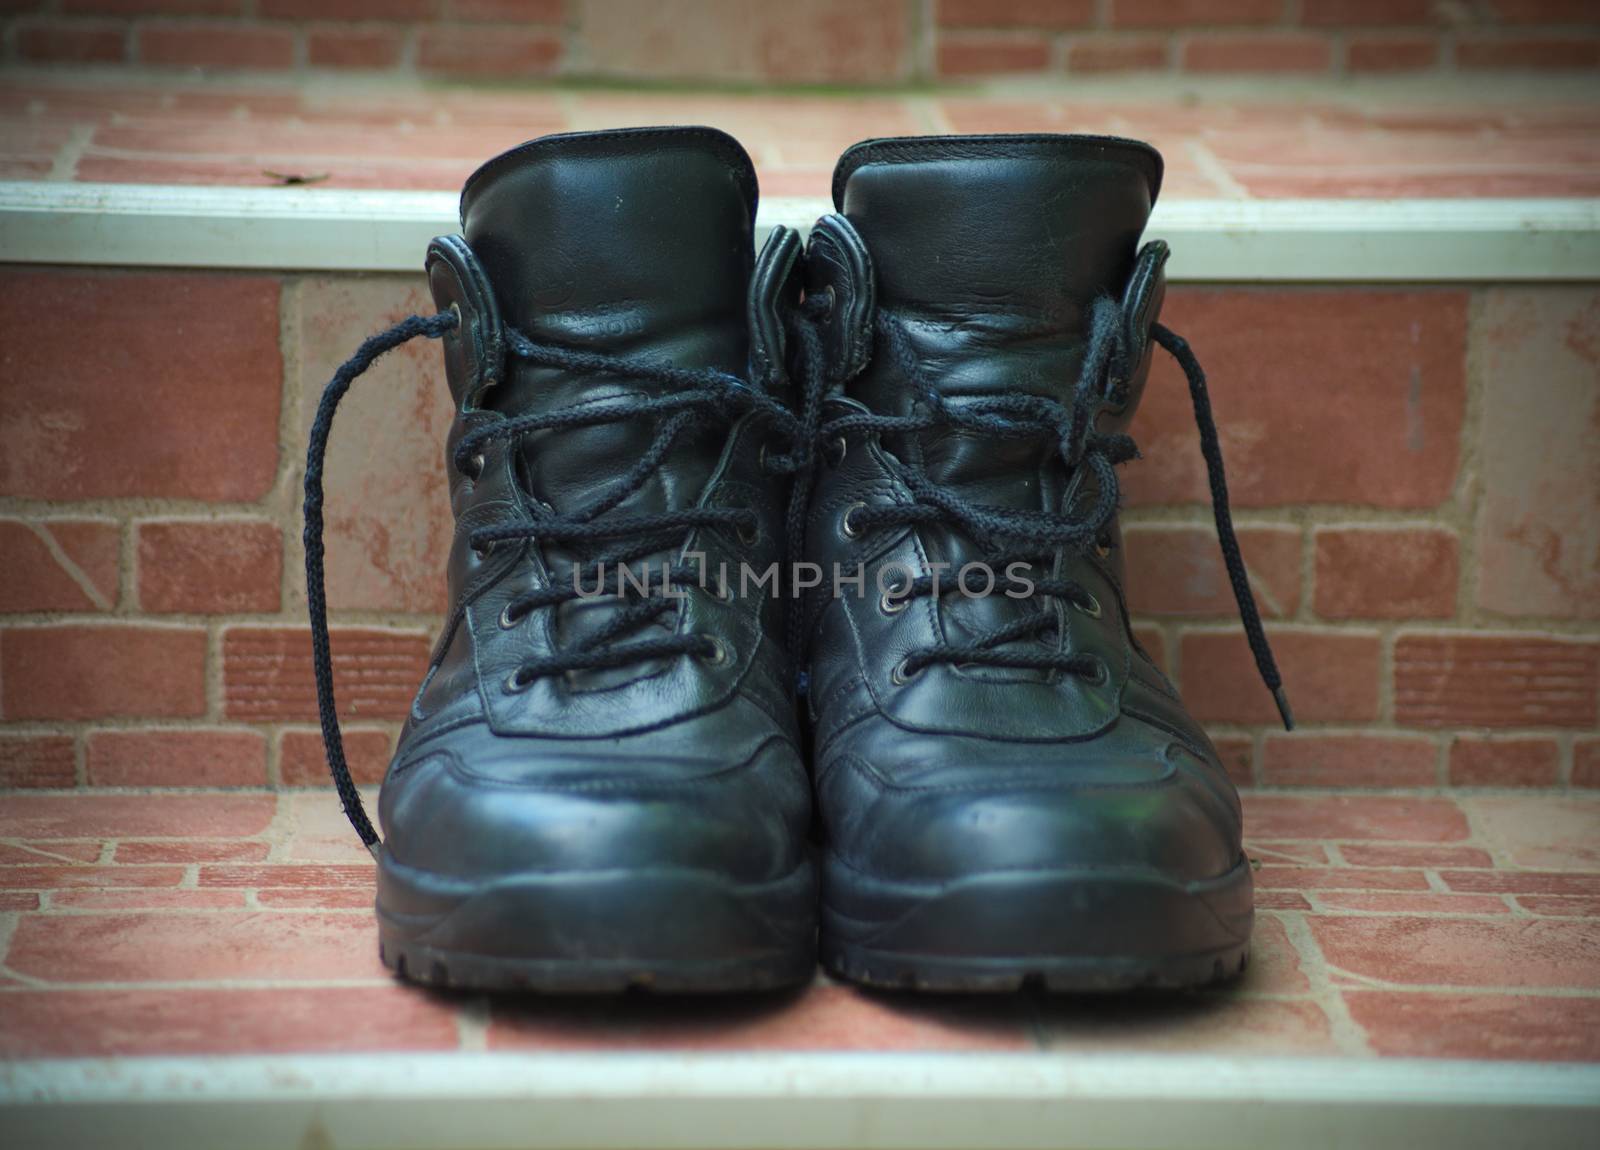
x=633, y=243
x=989, y=251
x=999, y=244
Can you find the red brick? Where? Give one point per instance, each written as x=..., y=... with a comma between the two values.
x=398, y=10
x=1281, y=900
x=1368, y=13
x=1521, y=882
x=467, y=51
x=216, y=45
x=303, y=762
x=388, y=514
x=177, y=759
x=508, y=11
x=1339, y=878
x=1329, y=676
x=134, y=816
x=192, y=851
x=1016, y=13
x=983, y=55
x=155, y=7
x=1539, y=525
x=315, y=898
x=864, y=41
x=1118, y=54
x=17, y=900
x=146, y=899
x=1542, y=11
x=1387, y=369
x=71, y=41
x=68, y=671
x=1350, y=761
x=822, y=1017
x=108, y=438
x=1268, y=52
x=1385, y=902
x=353, y=47
x=1528, y=53
x=37, y=761
x=82, y=578
x=1586, y=763
x=57, y=877
x=1495, y=681
x=156, y=947
x=267, y=674
x=1194, y=13
x=1452, y=952
x=210, y=567
x=1177, y=570
x=35, y=854
x=1316, y=854
x=1238, y=758
x=1385, y=573
x=1385, y=854
x=1539, y=831
x=1560, y=906
x=195, y=1020
x=280, y=875
x=1510, y=1027
x=1391, y=53
x=1483, y=762
x=1364, y=817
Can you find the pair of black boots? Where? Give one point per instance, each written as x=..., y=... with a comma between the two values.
x=787, y=607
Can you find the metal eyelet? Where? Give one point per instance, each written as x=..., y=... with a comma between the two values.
x=515, y=684
x=1091, y=608
x=1102, y=551
x=895, y=599
x=749, y=536
x=719, y=652
x=835, y=452
x=1101, y=676
x=900, y=676
x=482, y=550
x=508, y=620
x=845, y=528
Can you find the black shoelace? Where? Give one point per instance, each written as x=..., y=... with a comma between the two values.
x=693, y=396
x=1009, y=535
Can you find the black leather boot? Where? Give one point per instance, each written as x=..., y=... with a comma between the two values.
x=1011, y=790
x=596, y=791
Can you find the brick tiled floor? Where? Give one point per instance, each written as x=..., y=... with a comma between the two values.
x=1427, y=924
x=1485, y=137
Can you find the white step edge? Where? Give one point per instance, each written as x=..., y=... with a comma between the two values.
x=309, y=229
x=817, y=1101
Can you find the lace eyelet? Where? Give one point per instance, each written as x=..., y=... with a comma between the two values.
x=721, y=591
x=895, y=600
x=1090, y=608
x=1102, y=551
x=482, y=550
x=831, y=298
x=845, y=527
x=835, y=452
x=901, y=675
x=515, y=684
x=508, y=620
x=718, y=655
x=1101, y=676
x=749, y=536
x=474, y=466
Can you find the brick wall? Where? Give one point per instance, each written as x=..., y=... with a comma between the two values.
x=1413, y=471
x=847, y=41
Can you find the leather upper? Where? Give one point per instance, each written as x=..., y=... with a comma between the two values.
x=988, y=253
x=633, y=244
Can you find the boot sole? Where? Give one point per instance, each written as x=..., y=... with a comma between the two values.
x=598, y=932
x=1060, y=930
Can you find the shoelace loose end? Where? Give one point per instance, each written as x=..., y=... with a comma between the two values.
x=1281, y=697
